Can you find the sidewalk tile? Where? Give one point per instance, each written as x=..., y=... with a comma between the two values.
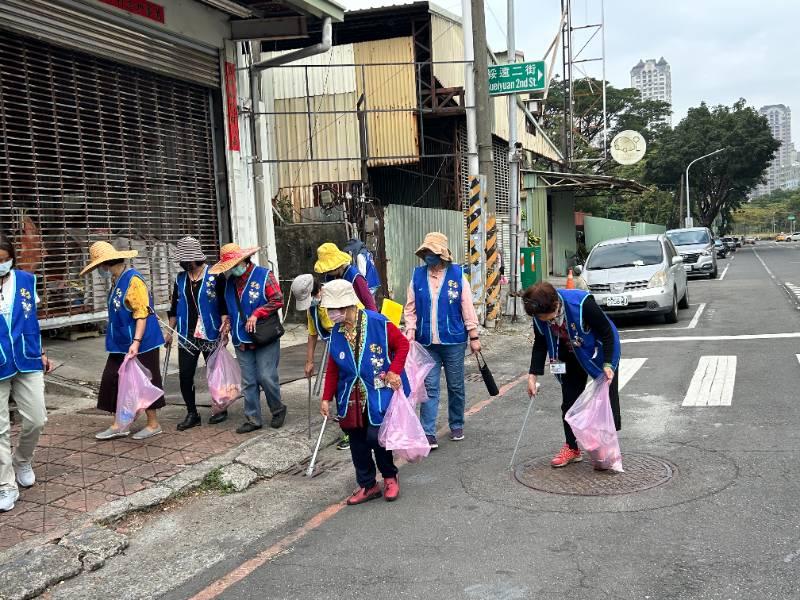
x=122, y=485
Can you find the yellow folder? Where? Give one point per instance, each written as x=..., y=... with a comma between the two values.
x=392, y=311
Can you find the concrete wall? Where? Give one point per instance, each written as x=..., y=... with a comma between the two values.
x=599, y=230
x=536, y=216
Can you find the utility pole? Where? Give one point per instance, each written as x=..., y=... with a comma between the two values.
x=514, y=158
x=485, y=159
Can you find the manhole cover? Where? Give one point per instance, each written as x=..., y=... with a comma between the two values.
x=642, y=472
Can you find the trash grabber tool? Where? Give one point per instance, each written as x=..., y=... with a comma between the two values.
x=166, y=363
x=309, y=408
x=321, y=373
x=310, y=470
x=519, y=439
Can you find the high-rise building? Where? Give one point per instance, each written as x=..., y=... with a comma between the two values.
x=779, y=171
x=653, y=79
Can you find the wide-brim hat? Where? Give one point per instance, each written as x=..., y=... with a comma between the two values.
x=437, y=243
x=189, y=250
x=101, y=252
x=330, y=258
x=231, y=255
x=339, y=293
x=301, y=290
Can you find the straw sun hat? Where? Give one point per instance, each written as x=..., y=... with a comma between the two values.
x=437, y=243
x=330, y=258
x=101, y=252
x=231, y=255
x=339, y=293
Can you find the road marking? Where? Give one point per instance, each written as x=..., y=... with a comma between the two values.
x=794, y=289
x=696, y=318
x=700, y=308
x=766, y=268
x=798, y=358
x=712, y=383
x=628, y=368
x=714, y=338
x=724, y=271
x=216, y=589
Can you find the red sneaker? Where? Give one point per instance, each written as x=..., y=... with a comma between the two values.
x=565, y=456
x=362, y=495
x=391, y=489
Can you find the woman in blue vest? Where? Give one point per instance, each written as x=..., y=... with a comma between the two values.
x=334, y=264
x=199, y=314
x=132, y=331
x=365, y=262
x=439, y=314
x=577, y=339
x=366, y=364
x=22, y=367
x=253, y=293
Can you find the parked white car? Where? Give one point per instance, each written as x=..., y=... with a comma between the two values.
x=638, y=275
x=795, y=237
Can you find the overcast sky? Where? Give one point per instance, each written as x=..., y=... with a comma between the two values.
x=718, y=50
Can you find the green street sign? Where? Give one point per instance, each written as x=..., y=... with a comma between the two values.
x=516, y=78
x=790, y=217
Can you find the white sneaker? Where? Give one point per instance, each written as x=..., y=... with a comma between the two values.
x=25, y=475
x=8, y=498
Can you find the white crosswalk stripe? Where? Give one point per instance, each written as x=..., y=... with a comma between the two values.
x=628, y=368
x=712, y=382
x=793, y=288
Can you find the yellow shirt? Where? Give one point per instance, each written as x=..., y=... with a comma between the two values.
x=137, y=299
x=324, y=319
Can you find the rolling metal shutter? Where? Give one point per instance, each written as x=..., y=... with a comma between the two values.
x=105, y=34
x=90, y=150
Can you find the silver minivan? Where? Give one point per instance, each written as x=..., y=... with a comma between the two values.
x=637, y=275
x=696, y=246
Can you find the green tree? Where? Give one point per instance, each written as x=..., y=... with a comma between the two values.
x=719, y=184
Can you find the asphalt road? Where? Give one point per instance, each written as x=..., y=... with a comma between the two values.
x=714, y=397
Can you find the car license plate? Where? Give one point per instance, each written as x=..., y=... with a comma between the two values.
x=617, y=301
x=688, y=267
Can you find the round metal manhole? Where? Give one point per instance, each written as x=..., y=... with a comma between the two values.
x=642, y=472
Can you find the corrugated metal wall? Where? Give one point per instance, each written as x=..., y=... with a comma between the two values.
x=562, y=206
x=448, y=44
x=598, y=230
x=404, y=229
x=536, y=143
x=319, y=74
x=536, y=217
x=392, y=137
x=648, y=228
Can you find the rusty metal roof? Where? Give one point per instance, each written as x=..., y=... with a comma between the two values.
x=579, y=182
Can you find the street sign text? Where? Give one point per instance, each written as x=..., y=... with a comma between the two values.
x=516, y=78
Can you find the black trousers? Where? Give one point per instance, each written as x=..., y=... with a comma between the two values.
x=187, y=368
x=572, y=386
x=363, y=442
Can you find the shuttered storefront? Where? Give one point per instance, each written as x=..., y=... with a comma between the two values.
x=91, y=149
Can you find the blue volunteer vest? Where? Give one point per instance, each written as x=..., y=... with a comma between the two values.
x=367, y=368
x=21, y=343
x=372, y=276
x=588, y=349
x=206, y=303
x=449, y=320
x=122, y=325
x=322, y=333
x=252, y=298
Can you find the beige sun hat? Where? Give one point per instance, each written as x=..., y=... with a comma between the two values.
x=338, y=293
x=231, y=255
x=437, y=243
x=101, y=252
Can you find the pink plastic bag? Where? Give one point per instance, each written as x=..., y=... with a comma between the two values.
x=224, y=379
x=592, y=423
x=418, y=364
x=135, y=392
x=401, y=432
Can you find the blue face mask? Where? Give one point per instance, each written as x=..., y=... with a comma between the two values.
x=5, y=267
x=104, y=273
x=238, y=270
x=432, y=260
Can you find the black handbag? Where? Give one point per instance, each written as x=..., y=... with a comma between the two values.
x=486, y=373
x=267, y=330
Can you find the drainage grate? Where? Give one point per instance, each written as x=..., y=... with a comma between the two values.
x=642, y=472
x=320, y=467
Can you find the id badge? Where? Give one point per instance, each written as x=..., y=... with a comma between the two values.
x=378, y=383
x=558, y=368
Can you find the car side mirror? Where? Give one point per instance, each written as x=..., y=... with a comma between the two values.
x=577, y=270
x=676, y=260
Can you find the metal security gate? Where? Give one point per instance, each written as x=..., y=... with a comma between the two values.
x=91, y=149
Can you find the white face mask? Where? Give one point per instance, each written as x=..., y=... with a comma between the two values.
x=104, y=273
x=337, y=315
x=5, y=267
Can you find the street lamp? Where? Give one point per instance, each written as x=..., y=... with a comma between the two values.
x=689, y=222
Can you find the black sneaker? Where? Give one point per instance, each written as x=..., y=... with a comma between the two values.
x=218, y=418
x=247, y=427
x=278, y=418
x=432, y=442
x=344, y=443
x=191, y=420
